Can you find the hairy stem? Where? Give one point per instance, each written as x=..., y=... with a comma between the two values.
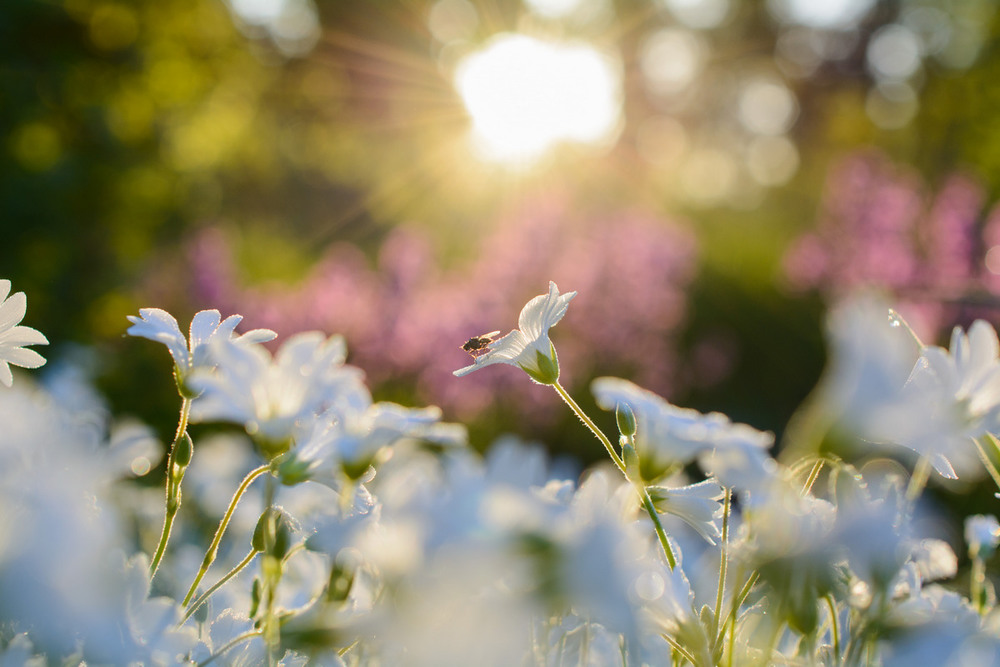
x=173, y=490
x=217, y=585
x=647, y=502
x=213, y=548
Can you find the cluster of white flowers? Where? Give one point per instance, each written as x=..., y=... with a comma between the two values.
x=355, y=532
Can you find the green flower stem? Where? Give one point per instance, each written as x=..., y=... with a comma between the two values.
x=680, y=649
x=834, y=629
x=813, y=474
x=737, y=601
x=918, y=480
x=985, y=458
x=723, y=562
x=591, y=425
x=217, y=585
x=173, y=490
x=647, y=502
x=213, y=548
x=230, y=644
x=271, y=570
x=977, y=581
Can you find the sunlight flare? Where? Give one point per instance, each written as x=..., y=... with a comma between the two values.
x=526, y=95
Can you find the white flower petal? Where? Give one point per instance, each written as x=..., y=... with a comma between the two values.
x=23, y=357
x=12, y=310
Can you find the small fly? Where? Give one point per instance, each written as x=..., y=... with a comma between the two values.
x=478, y=345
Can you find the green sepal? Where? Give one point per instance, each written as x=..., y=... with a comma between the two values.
x=631, y=460
x=290, y=469
x=547, y=367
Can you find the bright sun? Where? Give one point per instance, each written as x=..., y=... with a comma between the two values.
x=526, y=95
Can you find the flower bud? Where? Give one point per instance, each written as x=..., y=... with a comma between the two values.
x=626, y=419
x=183, y=450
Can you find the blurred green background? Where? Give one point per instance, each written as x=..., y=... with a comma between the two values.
x=315, y=164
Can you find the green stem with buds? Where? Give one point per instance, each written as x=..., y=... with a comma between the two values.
x=647, y=502
x=213, y=548
x=173, y=489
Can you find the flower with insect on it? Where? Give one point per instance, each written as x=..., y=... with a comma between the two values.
x=528, y=347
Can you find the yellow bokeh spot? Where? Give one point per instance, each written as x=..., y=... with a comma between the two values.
x=36, y=146
x=130, y=116
x=113, y=27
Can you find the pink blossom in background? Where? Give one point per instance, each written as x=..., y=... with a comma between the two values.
x=880, y=227
x=406, y=318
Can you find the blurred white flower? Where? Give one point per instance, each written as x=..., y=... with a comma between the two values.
x=347, y=439
x=952, y=395
x=667, y=436
x=193, y=351
x=870, y=359
x=271, y=397
x=528, y=346
x=934, y=559
x=697, y=504
x=982, y=534
x=13, y=336
x=19, y=652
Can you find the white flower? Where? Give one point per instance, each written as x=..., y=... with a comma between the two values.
x=192, y=352
x=528, y=346
x=14, y=337
x=667, y=435
x=951, y=397
x=696, y=504
x=982, y=533
x=273, y=397
x=347, y=439
x=870, y=360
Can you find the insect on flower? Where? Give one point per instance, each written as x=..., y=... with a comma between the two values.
x=477, y=345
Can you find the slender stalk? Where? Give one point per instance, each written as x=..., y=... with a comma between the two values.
x=173, y=490
x=591, y=425
x=738, y=600
x=647, y=502
x=985, y=458
x=813, y=474
x=230, y=644
x=977, y=580
x=271, y=574
x=723, y=562
x=834, y=629
x=680, y=649
x=213, y=548
x=918, y=480
x=217, y=585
